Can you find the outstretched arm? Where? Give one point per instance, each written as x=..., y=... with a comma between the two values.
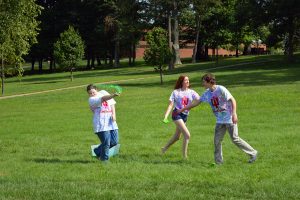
x=190, y=106
x=114, y=117
x=169, y=109
x=234, y=115
x=110, y=96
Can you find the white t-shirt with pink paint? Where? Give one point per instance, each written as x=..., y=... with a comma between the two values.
x=219, y=103
x=182, y=98
x=102, y=119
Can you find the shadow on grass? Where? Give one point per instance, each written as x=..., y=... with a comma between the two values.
x=243, y=71
x=273, y=73
x=158, y=159
x=58, y=161
x=45, y=82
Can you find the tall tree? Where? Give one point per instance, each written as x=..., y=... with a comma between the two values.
x=18, y=32
x=167, y=14
x=284, y=18
x=201, y=10
x=281, y=16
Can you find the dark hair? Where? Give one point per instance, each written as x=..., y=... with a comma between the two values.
x=209, y=78
x=179, y=82
x=90, y=86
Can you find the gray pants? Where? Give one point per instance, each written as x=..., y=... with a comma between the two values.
x=220, y=131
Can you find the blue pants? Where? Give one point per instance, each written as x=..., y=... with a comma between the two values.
x=108, y=139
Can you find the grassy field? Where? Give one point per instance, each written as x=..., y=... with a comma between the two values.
x=45, y=138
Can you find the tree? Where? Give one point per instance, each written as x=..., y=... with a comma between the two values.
x=167, y=13
x=69, y=50
x=158, y=52
x=280, y=17
x=18, y=32
x=196, y=14
x=284, y=19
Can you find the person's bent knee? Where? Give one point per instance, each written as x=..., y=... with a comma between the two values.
x=177, y=137
x=187, y=136
x=236, y=140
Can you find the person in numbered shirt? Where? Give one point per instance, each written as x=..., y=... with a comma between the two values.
x=223, y=106
x=180, y=97
x=104, y=123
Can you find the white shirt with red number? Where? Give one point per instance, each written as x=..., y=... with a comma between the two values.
x=182, y=98
x=219, y=103
x=102, y=119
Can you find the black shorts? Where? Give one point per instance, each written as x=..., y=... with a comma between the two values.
x=176, y=116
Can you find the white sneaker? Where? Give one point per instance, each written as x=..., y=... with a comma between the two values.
x=253, y=158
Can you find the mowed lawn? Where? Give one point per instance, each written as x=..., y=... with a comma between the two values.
x=45, y=138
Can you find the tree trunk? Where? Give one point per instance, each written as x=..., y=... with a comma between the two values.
x=93, y=62
x=71, y=75
x=130, y=54
x=291, y=32
x=206, y=52
x=160, y=72
x=54, y=65
x=176, y=34
x=2, y=73
x=51, y=65
x=41, y=65
x=117, y=51
x=88, y=63
x=217, y=55
x=111, y=60
x=32, y=64
x=200, y=54
x=245, y=51
x=98, y=61
x=196, y=40
x=171, y=63
x=237, y=51
x=133, y=53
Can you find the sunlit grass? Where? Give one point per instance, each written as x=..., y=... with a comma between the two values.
x=45, y=139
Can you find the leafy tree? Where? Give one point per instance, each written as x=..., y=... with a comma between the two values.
x=202, y=10
x=69, y=50
x=167, y=14
x=280, y=17
x=18, y=32
x=284, y=19
x=158, y=53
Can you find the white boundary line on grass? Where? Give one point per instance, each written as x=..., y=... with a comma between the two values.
x=117, y=81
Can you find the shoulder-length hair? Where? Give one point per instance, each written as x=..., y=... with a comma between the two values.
x=91, y=86
x=209, y=78
x=180, y=81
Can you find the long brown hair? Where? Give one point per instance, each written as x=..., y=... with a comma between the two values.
x=180, y=81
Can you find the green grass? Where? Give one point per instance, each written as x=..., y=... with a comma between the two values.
x=45, y=138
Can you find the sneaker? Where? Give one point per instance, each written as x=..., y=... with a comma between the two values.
x=253, y=158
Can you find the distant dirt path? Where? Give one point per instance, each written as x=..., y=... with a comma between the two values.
x=72, y=87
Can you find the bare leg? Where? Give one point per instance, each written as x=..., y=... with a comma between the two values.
x=174, y=139
x=182, y=127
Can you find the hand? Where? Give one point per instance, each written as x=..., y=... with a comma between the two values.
x=179, y=111
x=175, y=113
x=117, y=94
